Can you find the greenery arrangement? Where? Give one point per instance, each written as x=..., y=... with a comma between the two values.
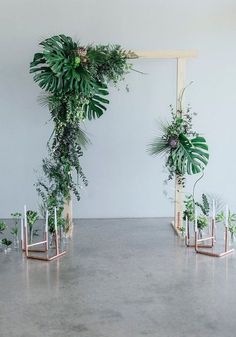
x=32, y=217
x=232, y=230
x=182, y=230
x=189, y=210
x=186, y=152
x=76, y=79
x=15, y=230
x=6, y=242
x=3, y=226
x=220, y=217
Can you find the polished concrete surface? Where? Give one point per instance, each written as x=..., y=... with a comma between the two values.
x=120, y=278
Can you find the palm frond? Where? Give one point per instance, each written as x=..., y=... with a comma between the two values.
x=82, y=138
x=164, y=127
x=158, y=146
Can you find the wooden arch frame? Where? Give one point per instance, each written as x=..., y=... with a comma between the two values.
x=181, y=56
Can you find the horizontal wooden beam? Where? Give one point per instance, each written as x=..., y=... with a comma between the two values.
x=165, y=54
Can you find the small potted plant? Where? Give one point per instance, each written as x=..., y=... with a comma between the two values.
x=182, y=230
x=32, y=217
x=231, y=221
x=3, y=226
x=7, y=243
x=61, y=225
x=15, y=230
x=232, y=230
x=202, y=222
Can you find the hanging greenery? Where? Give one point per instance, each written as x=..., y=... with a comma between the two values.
x=76, y=80
x=185, y=151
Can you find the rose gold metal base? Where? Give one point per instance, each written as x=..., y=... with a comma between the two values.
x=193, y=245
x=28, y=248
x=176, y=230
x=46, y=258
x=213, y=254
x=36, y=250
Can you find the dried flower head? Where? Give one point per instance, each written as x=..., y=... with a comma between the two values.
x=81, y=51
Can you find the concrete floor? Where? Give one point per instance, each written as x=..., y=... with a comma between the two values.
x=120, y=278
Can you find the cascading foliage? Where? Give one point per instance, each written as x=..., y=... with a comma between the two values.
x=75, y=79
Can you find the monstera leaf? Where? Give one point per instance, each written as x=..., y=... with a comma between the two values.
x=56, y=67
x=191, y=156
x=95, y=107
x=58, y=70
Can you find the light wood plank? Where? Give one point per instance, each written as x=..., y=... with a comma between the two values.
x=179, y=192
x=68, y=214
x=165, y=54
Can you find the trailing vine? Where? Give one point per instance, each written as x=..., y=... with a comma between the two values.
x=76, y=80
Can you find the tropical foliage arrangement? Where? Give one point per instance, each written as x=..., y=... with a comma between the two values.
x=75, y=79
x=185, y=151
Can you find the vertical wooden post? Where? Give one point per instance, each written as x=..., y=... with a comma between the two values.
x=181, y=68
x=68, y=217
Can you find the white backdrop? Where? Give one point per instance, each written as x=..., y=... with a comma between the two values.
x=124, y=181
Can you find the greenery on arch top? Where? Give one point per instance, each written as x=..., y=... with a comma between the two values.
x=64, y=68
x=75, y=79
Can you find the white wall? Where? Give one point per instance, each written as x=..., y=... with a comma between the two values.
x=124, y=181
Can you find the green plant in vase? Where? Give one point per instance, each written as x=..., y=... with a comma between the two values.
x=15, y=230
x=189, y=208
x=61, y=225
x=7, y=243
x=182, y=230
x=202, y=223
x=232, y=230
x=3, y=226
x=32, y=217
x=220, y=217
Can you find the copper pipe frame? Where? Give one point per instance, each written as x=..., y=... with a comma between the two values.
x=42, y=258
x=226, y=252
x=212, y=238
x=40, y=250
x=46, y=258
